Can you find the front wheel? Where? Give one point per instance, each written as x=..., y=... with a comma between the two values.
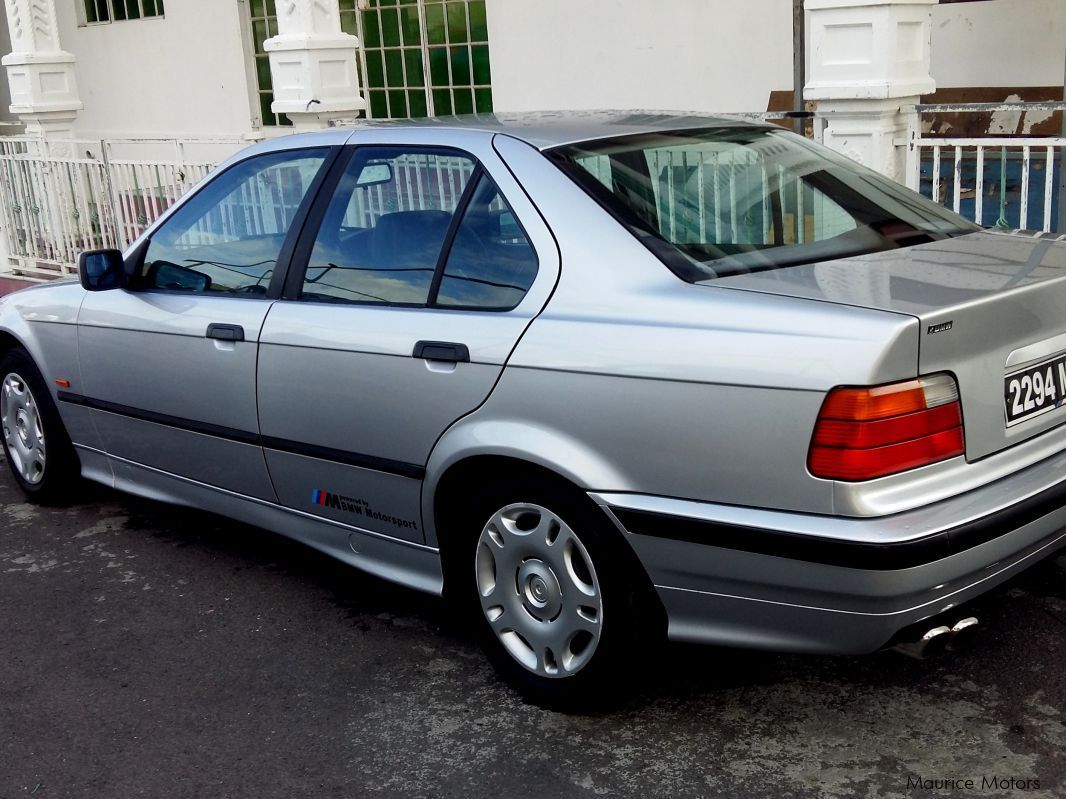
x=36, y=446
x=562, y=608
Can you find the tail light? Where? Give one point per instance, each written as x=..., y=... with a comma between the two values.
x=863, y=433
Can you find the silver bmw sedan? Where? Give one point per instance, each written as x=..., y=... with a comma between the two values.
x=601, y=379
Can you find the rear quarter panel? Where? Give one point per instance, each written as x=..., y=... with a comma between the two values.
x=634, y=380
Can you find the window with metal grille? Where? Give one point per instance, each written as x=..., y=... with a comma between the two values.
x=264, y=19
x=97, y=11
x=416, y=58
x=421, y=57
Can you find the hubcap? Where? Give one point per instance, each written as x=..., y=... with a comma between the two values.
x=539, y=590
x=23, y=433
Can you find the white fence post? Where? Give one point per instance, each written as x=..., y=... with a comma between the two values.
x=913, y=133
x=312, y=63
x=869, y=61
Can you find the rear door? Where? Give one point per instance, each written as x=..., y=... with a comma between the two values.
x=169, y=365
x=422, y=272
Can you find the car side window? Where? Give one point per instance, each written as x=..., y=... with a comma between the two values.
x=227, y=238
x=491, y=263
x=383, y=231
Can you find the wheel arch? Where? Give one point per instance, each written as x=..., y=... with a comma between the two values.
x=43, y=319
x=9, y=341
x=450, y=482
x=450, y=497
x=478, y=443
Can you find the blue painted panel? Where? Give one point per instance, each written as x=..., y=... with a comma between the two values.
x=1001, y=169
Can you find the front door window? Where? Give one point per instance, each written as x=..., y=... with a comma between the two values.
x=227, y=238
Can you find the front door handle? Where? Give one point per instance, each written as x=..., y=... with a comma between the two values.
x=442, y=351
x=225, y=332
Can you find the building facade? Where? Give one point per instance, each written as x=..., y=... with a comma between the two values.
x=141, y=84
x=199, y=67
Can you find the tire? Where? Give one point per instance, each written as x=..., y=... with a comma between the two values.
x=563, y=611
x=36, y=445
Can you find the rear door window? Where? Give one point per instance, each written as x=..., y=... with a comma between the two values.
x=384, y=229
x=491, y=263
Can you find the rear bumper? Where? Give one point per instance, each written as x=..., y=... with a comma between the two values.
x=799, y=582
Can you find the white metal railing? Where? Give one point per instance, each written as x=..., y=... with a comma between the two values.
x=1008, y=181
x=420, y=183
x=59, y=197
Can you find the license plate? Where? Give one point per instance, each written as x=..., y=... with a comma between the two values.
x=1035, y=390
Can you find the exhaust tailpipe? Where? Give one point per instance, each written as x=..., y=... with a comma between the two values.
x=935, y=640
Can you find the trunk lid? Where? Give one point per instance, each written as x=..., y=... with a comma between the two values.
x=990, y=304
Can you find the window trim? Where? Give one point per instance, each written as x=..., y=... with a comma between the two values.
x=135, y=261
x=453, y=228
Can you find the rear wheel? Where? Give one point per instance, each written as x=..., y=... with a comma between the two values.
x=36, y=446
x=563, y=612
x=539, y=590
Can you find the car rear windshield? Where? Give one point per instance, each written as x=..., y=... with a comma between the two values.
x=728, y=200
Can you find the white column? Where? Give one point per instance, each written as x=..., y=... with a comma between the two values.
x=869, y=62
x=312, y=64
x=40, y=73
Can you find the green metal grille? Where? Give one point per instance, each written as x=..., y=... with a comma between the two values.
x=421, y=57
x=97, y=11
x=264, y=19
x=416, y=58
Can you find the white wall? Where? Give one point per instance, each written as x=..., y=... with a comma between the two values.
x=5, y=90
x=727, y=55
x=999, y=43
x=183, y=74
x=701, y=55
x=186, y=74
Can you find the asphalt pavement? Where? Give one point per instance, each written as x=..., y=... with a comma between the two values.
x=152, y=651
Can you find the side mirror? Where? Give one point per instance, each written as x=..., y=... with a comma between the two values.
x=100, y=270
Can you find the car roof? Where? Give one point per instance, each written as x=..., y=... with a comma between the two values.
x=547, y=129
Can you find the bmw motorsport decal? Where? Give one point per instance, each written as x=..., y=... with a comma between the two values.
x=358, y=507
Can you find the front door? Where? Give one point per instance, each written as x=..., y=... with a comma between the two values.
x=416, y=290
x=169, y=364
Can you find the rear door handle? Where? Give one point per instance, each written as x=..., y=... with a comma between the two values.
x=225, y=332
x=442, y=351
